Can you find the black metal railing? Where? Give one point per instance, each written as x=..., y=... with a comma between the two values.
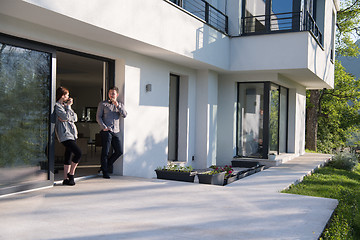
x=268, y=23
x=282, y=22
x=311, y=26
x=205, y=11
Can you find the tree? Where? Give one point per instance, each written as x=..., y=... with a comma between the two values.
x=348, y=29
x=339, y=110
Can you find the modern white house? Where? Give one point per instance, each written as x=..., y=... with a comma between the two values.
x=203, y=82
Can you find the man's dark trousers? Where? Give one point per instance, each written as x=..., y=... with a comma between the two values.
x=108, y=139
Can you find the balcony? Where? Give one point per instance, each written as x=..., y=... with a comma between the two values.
x=205, y=11
x=282, y=22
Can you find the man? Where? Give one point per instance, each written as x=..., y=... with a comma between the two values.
x=108, y=116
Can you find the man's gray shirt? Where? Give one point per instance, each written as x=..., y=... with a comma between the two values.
x=108, y=116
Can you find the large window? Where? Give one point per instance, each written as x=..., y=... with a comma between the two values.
x=262, y=116
x=250, y=119
x=25, y=76
x=267, y=16
x=274, y=118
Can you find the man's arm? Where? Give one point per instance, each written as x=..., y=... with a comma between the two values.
x=99, y=116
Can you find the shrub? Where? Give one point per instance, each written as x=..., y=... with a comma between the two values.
x=338, y=230
x=175, y=168
x=344, y=160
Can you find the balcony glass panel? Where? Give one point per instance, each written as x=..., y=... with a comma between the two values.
x=254, y=20
x=281, y=15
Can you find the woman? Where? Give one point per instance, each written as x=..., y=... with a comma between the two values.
x=66, y=133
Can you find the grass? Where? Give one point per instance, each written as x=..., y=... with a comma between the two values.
x=338, y=184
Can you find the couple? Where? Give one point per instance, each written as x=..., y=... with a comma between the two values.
x=108, y=116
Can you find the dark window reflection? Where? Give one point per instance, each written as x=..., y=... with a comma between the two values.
x=274, y=119
x=24, y=114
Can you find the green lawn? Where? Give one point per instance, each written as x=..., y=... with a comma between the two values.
x=343, y=185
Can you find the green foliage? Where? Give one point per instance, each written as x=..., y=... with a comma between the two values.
x=274, y=119
x=176, y=168
x=227, y=169
x=339, y=229
x=338, y=184
x=348, y=28
x=339, y=108
x=344, y=160
x=339, y=114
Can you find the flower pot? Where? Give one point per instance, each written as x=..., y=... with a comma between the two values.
x=175, y=175
x=271, y=157
x=215, y=179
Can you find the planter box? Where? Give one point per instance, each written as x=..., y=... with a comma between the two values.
x=251, y=171
x=175, y=175
x=244, y=164
x=216, y=179
x=259, y=168
x=242, y=174
x=230, y=180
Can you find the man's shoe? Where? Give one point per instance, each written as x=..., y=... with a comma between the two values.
x=105, y=175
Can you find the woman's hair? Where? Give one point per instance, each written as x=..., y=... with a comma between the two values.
x=60, y=92
x=114, y=88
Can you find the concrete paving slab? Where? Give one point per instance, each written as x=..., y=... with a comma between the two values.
x=137, y=208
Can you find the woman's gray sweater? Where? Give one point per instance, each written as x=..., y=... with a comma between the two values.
x=65, y=123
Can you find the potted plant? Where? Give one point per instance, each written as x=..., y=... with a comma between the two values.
x=229, y=175
x=214, y=177
x=175, y=172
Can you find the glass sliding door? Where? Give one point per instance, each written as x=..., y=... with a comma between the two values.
x=262, y=116
x=274, y=119
x=283, y=120
x=174, y=90
x=250, y=119
x=25, y=80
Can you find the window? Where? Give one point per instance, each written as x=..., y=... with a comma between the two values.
x=268, y=16
x=262, y=116
x=262, y=16
x=332, y=46
x=25, y=79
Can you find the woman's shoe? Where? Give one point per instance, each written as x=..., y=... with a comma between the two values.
x=66, y=182
x=71, y=179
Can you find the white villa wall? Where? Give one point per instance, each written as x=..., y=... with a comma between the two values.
x=295, y=55
x=151, y=27
x=296, y=128
x=181, y=38
x=320, y=60
x=206, y=119
x=146, y=127
x=226, y=141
